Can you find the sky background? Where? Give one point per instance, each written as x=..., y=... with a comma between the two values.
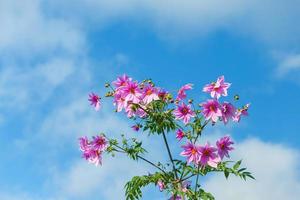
x=53, y=53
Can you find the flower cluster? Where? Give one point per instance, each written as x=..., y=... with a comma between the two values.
x=133, y=97
x=92, y=150
x=207, y=154
x=157, y=112
x=214, y=110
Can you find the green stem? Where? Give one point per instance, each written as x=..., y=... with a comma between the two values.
x=144, y=159
x=202, y=127
x=197, y=179
x=170, y=155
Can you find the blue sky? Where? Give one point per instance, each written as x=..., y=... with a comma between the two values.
x=53, y=53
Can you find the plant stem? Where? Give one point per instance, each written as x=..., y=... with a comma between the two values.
x=144, y=159
x=197, y=179
x=202, y=127
x=170, y=155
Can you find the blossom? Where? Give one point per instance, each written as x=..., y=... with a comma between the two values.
x=192, y=152
x=240, y=112
x=131, y=92
x=135, y=127
x=119, y=101
x=208, y=156
x=223, y=145
x=228, y=112
x=162, y=94
x=212, y=110
x=184, y=112
x=95, y=101
x=92, y=150
x=179, y=134
x=132, y=111
x=99, y=143
x=122, y=81
x=181, y=92
x=83, y=143
x=175, y=198
x=186, y=186
x=149, y=94
x=93, y=156
x=217, y=89
x=161, y=185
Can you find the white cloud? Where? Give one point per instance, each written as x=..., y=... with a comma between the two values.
x=182, y=19
x=27, y=29
x=83, y=180
x=274, y=166
x=288, y=64
x=23, y=86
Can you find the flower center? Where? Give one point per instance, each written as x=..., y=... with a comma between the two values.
x=132, y=90
x=100, y=141
x=212, y=108
x=206, y=152
x=149, y=92
x=123, y=83
x=194, y=151
x=185, y=111
x=222, y=146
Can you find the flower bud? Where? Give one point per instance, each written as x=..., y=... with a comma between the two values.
x=107, y=85
x=236, y=97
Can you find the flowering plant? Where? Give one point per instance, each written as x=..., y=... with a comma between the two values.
x=157, y=112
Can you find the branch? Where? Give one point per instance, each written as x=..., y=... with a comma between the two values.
x=170, y=155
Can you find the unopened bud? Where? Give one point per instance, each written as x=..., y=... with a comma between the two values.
x=236, y=97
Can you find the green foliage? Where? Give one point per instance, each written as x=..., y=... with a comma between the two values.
x=235, y=169
x=133, y=187
x=159, y=118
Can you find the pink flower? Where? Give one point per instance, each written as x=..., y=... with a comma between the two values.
x=99, y=143
x=184, y=112
x=212, y=110
x=150, y=94
x=217, y=89
x=161, y=185
x=175, y=198
x=131, y=92
x=95, y=101
x=240, y=112
x=92, y=151
x=122, y=81
x=181, y=92
x=83, y=143
x=223, y=145
x=208, y=156
x=135, y=127
x=179, y=134
x=186, y=186
x=119, y=101
x=228, y=112
x=93, y=156
x=162, y=94
x=192, y=152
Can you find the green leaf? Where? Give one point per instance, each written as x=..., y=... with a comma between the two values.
x=237, y=165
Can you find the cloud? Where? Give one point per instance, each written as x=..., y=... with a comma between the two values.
x=189, y=19
x=24, y=86
x=288, y=65
x=83, y=180
x=274, y=166
x=27, y=29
